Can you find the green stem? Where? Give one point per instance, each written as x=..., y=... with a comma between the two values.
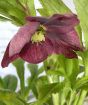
x=62, y=98
x=73, y=93
x=55, y=97
x=52, y=79
x=82, y=97
x=76, y=100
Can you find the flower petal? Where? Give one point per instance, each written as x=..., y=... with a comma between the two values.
x=48, y=46
x=59, y=29
x=63, y=20
x=42, y=20
x=22, y=37
x=33, y=53
x=6, y=59
x=37, y=52
x=70, y=38
x=63, y=48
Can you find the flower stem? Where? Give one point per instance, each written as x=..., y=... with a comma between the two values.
x=72, y=96
x=55, y=97
x=76, y=100
x=52, y=79
x=82, y=97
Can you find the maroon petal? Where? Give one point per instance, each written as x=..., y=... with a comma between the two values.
x=33, y=53
x=37, y=52
x=63, y=20
x=70, y=15
x=22, y=37
x=42, y=20
x=64, y=49
x=70, y=38
x=59, y=29
x=48, y=46
x=6, y=59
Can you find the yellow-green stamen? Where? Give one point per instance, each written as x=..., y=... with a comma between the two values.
x=39, y=35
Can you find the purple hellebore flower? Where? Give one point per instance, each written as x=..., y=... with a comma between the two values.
x=41, y=37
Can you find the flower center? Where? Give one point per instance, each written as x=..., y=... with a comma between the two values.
x=39, y=36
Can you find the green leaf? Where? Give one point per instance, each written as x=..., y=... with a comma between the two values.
x=55, y=72
x=54, y=6
x=10, y=82
x=64, y=94
x=28, y=6
x=1, y=83
x=82, y=11
x=43, y=12
x=41, y=69
x=15, y=3
x=72, y=68
x=32, y=80
x=85, y=61
x=1, y=103
x=4, y=19
x=33, y=68
x=19, y=64
x=45, y=91
x=81, y=82
x=11, y=11
x=31, y=7
x=11, y=98
x=31, y=86
x=55, y=65
x=69, y=68
x=42, y=80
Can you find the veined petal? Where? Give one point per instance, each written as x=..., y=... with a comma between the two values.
x=70, y=15
x=64, y=49
x=70, y=38
x=37, y=52
x=63, y=20
x=59, y=29
x=33, y=53
x=48, y=46
x=42, y=20
x=6, y=59
x=22, y=37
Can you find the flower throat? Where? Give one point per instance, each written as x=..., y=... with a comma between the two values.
x=39, y=36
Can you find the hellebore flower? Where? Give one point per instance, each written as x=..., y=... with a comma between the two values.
x=41, y=37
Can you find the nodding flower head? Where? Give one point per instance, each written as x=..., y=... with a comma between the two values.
x=41, y=37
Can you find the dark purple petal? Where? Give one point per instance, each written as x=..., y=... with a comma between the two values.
x=64, y=49
x=33, y=53
x=42, y=20
x=59, y=29
x=63, y=20
x=22, y=37
x=70, y=38
x=37, y=52
x=48, y=46
x=6, y=59
x=60, y=16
